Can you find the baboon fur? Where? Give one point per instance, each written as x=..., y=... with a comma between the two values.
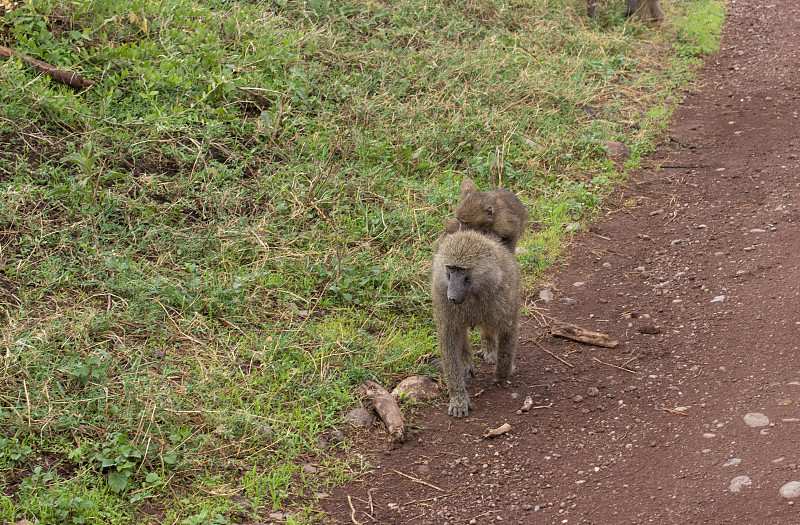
x=475, y=282
x=495, y=212
x=642, y=10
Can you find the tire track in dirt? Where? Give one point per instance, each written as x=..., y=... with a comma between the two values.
x=696, y=271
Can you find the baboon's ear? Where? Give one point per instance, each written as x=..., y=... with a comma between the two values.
x=489, y=211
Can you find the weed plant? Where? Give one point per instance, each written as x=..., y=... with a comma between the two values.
x=204, y=255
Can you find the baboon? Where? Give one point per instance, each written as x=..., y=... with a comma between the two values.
x=642, y=10
x=495, y=212
x=475, y=282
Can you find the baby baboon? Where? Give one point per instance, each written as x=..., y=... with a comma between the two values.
x=475, y=282
x=642, y=10
x=497, y=212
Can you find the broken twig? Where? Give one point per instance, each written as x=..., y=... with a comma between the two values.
x=417, y=480
x=614, y=366
x=63, y=76
x=352, y=512
x=576, y=333
x=387, y=409
x=499, y=431
x=551, y=353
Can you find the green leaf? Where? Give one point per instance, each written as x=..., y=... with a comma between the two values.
x=118, y=481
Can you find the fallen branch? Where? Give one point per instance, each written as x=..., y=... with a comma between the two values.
x=387, y=409
x=63, y=76
x=576, y=333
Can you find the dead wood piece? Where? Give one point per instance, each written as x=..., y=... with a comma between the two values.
x=499, y=431
x=387, y=409
x=576, y=333
x=527, y=404
x=63, y=76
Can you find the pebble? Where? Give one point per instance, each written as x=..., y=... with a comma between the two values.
x=337, y=436
x=733, y=462
x=568, y=300
x=718, y=299
x=790, y=490
x=739, y=482
x=756, y=419
x=578, y=283
x=709, y=435
x=546, y=295
x=592, y=391
x=577, y=399
x=309, y=469
x=360, y=417
x=606, y=265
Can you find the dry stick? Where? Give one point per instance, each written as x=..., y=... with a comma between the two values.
x=551, y=353
x=69, y=78
x=417, y=480
x=352, y=511
x=582, y=335
x=614, y=366
x=676, y=412
x=387, y=409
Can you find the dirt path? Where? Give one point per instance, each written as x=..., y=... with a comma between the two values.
x=695, y=271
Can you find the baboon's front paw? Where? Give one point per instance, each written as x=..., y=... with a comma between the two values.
x=459, y=410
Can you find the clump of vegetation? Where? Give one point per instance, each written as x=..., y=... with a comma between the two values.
x=201, y=256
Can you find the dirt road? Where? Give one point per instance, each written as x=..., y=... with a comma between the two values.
x=695, y=416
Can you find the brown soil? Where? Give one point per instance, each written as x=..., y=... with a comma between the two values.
x=663, y=442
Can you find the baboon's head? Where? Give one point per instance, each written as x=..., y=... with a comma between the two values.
x=459, y=281
x=475, y=212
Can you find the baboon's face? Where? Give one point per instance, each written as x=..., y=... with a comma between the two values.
x=459, y=281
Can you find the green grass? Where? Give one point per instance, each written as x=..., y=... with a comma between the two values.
x=204, y=255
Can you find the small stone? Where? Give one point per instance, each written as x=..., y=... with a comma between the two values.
x=546, y=295
x=360, y=417
x=423, y=470
x=790, y=490
x=514, y=395
x=718, y=299
x=733, y=462
x=578, y=283
x=417, y=388
x=592, y=391
x=616, y=149
x=277, y=516
x=709, y=435
x=309, y=469
x=568, y=300
x=520, y=250
x=739, y=482
x=756, y=419
x=577, y=399
x=606, y=265
x=337, y=436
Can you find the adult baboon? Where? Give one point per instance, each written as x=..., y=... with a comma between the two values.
x=643, y=10
x=475, y=282
x=495, y=212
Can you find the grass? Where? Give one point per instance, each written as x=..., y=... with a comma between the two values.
x=204, y=255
